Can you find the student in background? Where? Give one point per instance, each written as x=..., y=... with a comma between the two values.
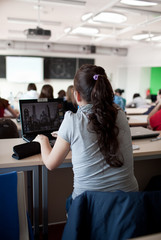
x=118, y=99
x=119, y=93
x=154, y=117
x=151, y=107
x=98, y=135
x=137, y=102
x=69, y=103
x=158, y=96
x=62, y=94
x=31, y=92
x=47, y=91
x=4, y=105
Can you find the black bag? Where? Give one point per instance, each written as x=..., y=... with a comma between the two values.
x=26, y=150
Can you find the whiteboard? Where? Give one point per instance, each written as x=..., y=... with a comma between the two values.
x=24, y=69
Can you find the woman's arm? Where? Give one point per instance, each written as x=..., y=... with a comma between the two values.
x=12, y=111
x=53, y=157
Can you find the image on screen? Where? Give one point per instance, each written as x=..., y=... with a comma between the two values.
x=41, y=116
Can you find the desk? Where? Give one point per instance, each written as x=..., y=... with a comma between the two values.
x=135, y=111
x=66, y=164
x=156, y=236
x=7, y=164
x=148, y=149
x=137, y=120
x=147, y=161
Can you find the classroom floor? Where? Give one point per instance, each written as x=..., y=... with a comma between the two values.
x=54, y=232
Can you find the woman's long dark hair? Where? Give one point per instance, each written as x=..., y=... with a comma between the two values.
x=102, y=120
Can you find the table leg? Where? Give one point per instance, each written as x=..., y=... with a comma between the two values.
x=36, y=201
x=45, y=201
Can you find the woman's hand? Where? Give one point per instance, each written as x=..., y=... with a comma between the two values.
x=54, y=134
x=41, y=138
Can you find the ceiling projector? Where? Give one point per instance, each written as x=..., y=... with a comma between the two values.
x=38, y=33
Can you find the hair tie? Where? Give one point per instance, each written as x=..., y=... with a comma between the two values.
x=95, y=77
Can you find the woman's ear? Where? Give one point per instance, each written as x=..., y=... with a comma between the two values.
x=77, y=96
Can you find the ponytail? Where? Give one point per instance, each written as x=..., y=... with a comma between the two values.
x=92, y=83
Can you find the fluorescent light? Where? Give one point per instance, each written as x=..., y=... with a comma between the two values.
x=138, y=3
x=156, y=38
x=110, y=17
x=86, y=16
x=142, y=36
x=85, y=31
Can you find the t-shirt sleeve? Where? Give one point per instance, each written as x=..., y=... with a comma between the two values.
x=155, y=121
x=65, y=130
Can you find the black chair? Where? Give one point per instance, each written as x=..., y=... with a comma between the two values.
x=113, y=215
x=8, y=129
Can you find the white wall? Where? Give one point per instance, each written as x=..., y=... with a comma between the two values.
x=136, y=69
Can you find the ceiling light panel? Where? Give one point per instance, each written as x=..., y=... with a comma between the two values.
x=86, y=16
x=85, y=31
x=138, y=3
x=142, y=36
x=110, y=17
x=67, y=30
x=156, y=38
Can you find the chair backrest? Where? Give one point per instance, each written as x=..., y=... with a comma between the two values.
x=13, y=212
x=113, y=215
x=8, y=129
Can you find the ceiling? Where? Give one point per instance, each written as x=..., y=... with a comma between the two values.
x=57, y=15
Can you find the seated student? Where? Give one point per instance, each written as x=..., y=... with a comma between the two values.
x=46, y=91
x=158, y=96
x=137, y=102
x=119, y=101
x=62, y=94
x=154, y=117
x=119, y=93
x=99, y=137
x=31, y=92
x=153, y=106
x=69, y=103
x=4, y=105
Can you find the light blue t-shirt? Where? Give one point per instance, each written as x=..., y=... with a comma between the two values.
x=119, y=101
x=91, y=172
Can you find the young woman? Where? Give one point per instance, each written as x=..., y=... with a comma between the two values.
x=47, y=91
x=118, y=93
x=4, y=104
x=68, y=104
x=98, y=136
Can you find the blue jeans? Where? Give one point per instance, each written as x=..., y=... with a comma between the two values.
x=68, y=203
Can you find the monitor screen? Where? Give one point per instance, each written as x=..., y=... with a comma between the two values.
x=41, y=116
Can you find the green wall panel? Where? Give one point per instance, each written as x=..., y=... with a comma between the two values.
x=155, y=81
